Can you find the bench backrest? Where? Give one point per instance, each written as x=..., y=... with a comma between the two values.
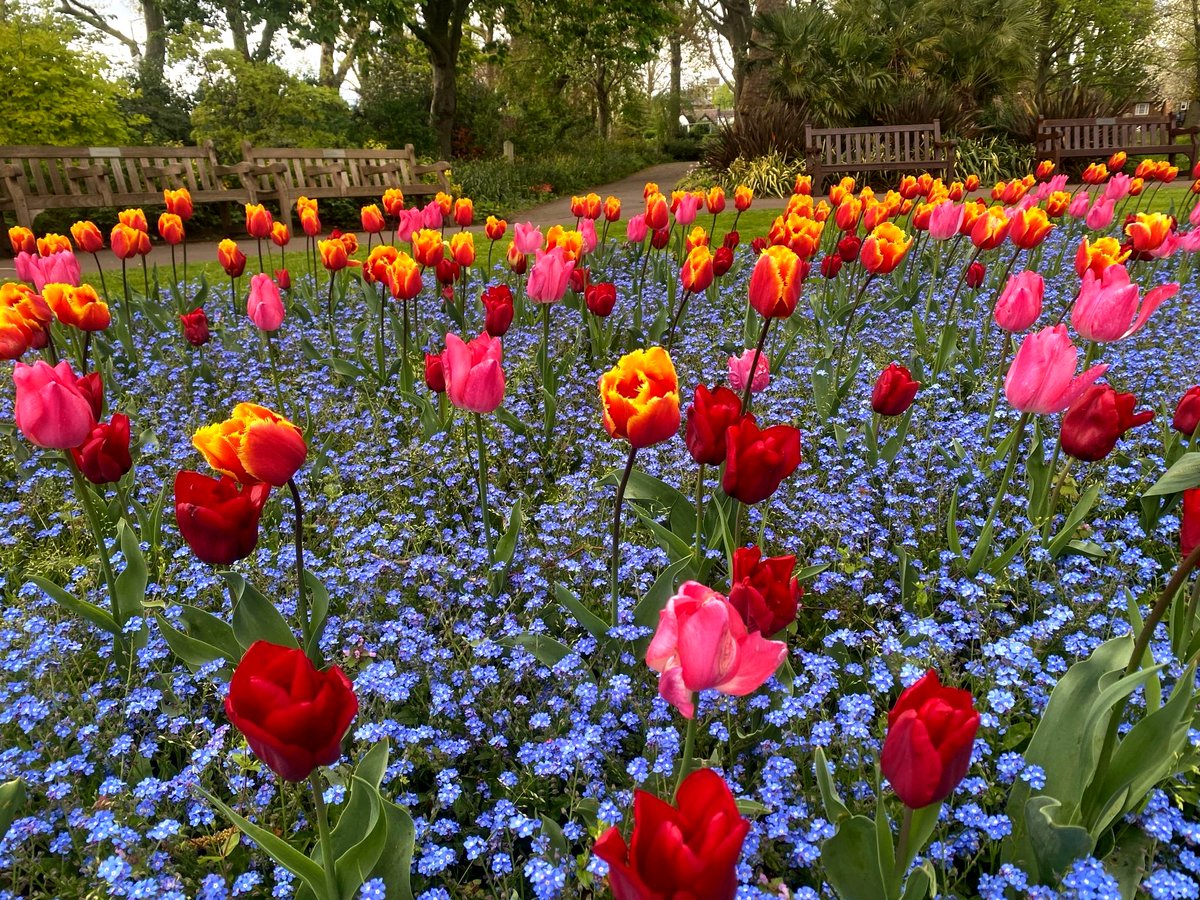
x=903, y=145
x=328, y=172
x=1116, y=133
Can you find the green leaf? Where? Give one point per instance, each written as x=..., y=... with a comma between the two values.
x=752, y=808
x=278, y=849
x=595, y=626
x=1071, y=525
x=506, y=417
x=192, y=651
x=808, y=573
x=81, y=608
x=924, y=820
x=647, y=610
x=952, y=538
x=318, y=609
x=1184, y=474
x=347, y=368
x=131, y=583
x=1058, y=845
x=254, y=617
x=558, y=840
x=548, y=651
x=998, y=564
x=355, y=865
x=507, y=546
x=395, y=865
x=12, y=800
x=677, y=547
x=835, y=809
x=647, y=488
x=921, y=882
x=851, y=861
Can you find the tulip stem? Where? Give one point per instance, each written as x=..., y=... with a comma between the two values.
x=1054, y=495
x=902, y=842
x=483, y=491
x=762, y=342
x=991, y=319
x=93, y=517
x=675, y=320
x=699, y=514
x=616, y=536
x=547, y=414
x=689, y=750
x=329, y=316
x=323, y=835
x=128, y=311
x=975, y=563
x=837, y=364
x=1004, y=348
x=274, y=369
x=103, y=283
x=302, y=610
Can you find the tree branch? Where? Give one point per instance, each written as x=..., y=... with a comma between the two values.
x=90, y=16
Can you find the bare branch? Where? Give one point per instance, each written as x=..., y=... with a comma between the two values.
x=89, y=15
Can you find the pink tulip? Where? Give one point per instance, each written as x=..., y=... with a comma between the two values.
x=1194, y=215
x=702, y=644
x=26, y=265
x=1079, y=205
x=1171, y=243
x=57, y=268
x=431, y=215
x=1190, y=241
x=1107, y=308
x=1027, y=202
x=945, y=220
x=1020, y=302
x=264, y=306
x=549, y=276
x=685, y=212
x=408, y=222
x=1100, y=216
x=527, y=237
x=587, y=229
x=474, y=378
x=1057, y=183
x=635, y=228
x=1117, y=187
x=53, y=408
x=739, y=371
x=1042, y=377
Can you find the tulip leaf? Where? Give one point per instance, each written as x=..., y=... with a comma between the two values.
x=192, y=651
x=548, y=651
x=395, y=863
x=355, y=865
x=646, y=612
x=1127, y=862
x=592, y=623
x=677, y=547
x=810, y=572
x=952, y=539
x=558, y=841
x=81, y=608
x=131, y=583
x=924, y=820
x=921, y=882
x=998, y=564
x=835, y=809
x=1071, y=525
x=318, y=610
x=507, y=546
x=255, y=618
x=1184, y=474
x=276, y=847
x=508, y=419
x=648, y=488
x=347, y=368
x=851, y=861
x=1057, y=845
x=12, y=799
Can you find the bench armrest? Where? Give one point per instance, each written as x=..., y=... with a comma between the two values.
x=245, y=168
x=945, y=143
x=1189, y=130
x=440, y=166
x=8, y=170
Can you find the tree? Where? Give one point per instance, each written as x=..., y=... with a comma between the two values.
x=439, y=26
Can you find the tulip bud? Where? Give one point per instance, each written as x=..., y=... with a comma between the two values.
x=1187, y=413
x=195, y=327
x=435, y=374
x=894, y=391
x=975, y=274
x=601, y=298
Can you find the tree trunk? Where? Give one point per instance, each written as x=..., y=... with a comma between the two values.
x=675, y=97
x=603, y=101
x=1195, y=52
x=755, y=89
x=237, y=28
x=154, y=60
x=444, y=106
x=325, y=76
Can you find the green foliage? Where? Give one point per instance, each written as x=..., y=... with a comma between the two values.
x=770, y=175
x=261, y=103
x=995, y=158
x=54, y=94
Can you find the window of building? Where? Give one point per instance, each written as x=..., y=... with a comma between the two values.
x=1141, y=109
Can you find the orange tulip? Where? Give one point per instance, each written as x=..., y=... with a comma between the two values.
x=53, y=243
x=462, y=248
x=310, y=222
x=232, y=260
x=883, y=249
x=742, y=198
x=87, y=237
x=990, y=229
x=657, y=213
x=803, y=185
x=776, y=281
x=24, y=319
x=403, y=277
x=640, y=398
x=379, y=260
x=920, y=219
x=280, y=234
x=1136, y=186
x=1045, y=169
x=847, y=214
x=802, y=236
x=570, y=241
x=179, y=202
x=1096, y=173
x=305, y=204
x=125, y=241
x=697, y=237
x=924, y=184
x=349, y=240
x=800, y=205
x=1148, y=231
x=908, y=187
x=393, y=201
x=253, y=445
x=464, y=212
x=427, y=247
x=517, y=261
x=1168, y=173
x=956, y=191
x=1057, y=203
x=372, y=219
x=22, y=240
x=134, y=218
x=1098, y=255
x=444, y=201
x=875, y=213
x=577, y=207
x=258, y=221
x=612, y=208
x=1145, y=169
x=592, y=206
x=1116, y=162
x=651, y=187
x=170, y=228
x=333, y=254
x=495, y=228
x=714, y=200
x=1029, y=227
x=697, y=272
x=79, y=307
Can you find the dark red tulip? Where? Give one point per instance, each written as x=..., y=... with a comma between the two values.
x=764, y=591
x=578, y=279
x=931, y=732
x=710, y=415
x=685, y=851
x=831, y=265
x=757, y=461
x=284, y=279
x=848, y=247
x=894, y=391
x=1187, y=412
x=435, y=373
x=975, y=273
x=447, y=271
x=195, y=326
x=601, y=298
x=498, y=307
x=659, y=238
x=758, y=245
x=722, y=261
x=293, y=714
x=217, y=518
x=731, y=240
x=1189, y=526
x=104, y=457
x=1097, y=420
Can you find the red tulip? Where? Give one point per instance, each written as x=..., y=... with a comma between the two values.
x=710, y=415
x=685, y=851
x=757, y=461
x=659, y=238
x=1187, y=412
x=601, y=298
x=293, y=715
x=849, y=247
x=103, y=457
x=1097, y=420
x=371, y=219
x=435, y=373
x=894, y=391
x=831, y=265
x=722, y=261
x=498, y=302
x=775, y=282
x=975, y=274
x=764, y=591
x=195, y=326
x=931, y=732
x=1189, y=527
x=258, y=221
x=217, y=518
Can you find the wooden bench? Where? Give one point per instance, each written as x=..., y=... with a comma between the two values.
x=36, y=179
x=878, y=148
x=287, y=173
x=1094, y=139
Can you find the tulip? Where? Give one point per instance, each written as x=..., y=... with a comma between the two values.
x=930, y=736
x=1098, y=255
x=687, y=850
x=657, y=213
x=1116, y=162
x=462, y=248
x=232, y=260
x=587, y=234
x=739, y=371
x=178, y=202
x=975, y=275
x=348, y=239
x=570, y=242
x=635, y=228
x=1100, y=216
x=1045, y=169
x=830, y=266
x=742, y=198
x=1041, y=379
x=776, y=282
x=549, y=276
x=428, y=248
x=473, y=373
x=87, y=237
x=1149, y=230
x=1095, y=173
x=894, y=391
x=464, y=212
x=1118, y=187
x=1187, y=412
x=1107, y=308
x=1095, y=422
x=517, y=261
x=170, y=228
x=702, y=644
x=195, y=327
x=435, y=373
x=640, y=398
x=403, y=277
x=61, y=267
x=498, y=303
x=763, y=591
x=131, y=218
x=689, y=206
x=1189, y=526
x=284, y=279
x=848, y=213
x=495, y=228
x=393, y=202
x=21, y=240
x=281, y=236
x=447, y=273
x=971, y=183
x=432, y=215
x=264, y=306
x=258, y=221
x=254, y=444
x=54, y=408
x=709, y=416
x=722, y=261
x=601, y=298
x=24, y=320
x=527, y=238
x=884, y=248
x=697, y=271
x=1020, y=303
x=849, y=247
x=103, y=457
x=310, y=223
x=292, y=714
x=945, y=220
x=80, y=306
x=1029, y=227
x=333, y=254
x=125, y=241
x=577, y=207
x=990, y=228
x=218, y=518
x=757, y=461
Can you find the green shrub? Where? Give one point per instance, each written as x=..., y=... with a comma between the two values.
x=992, y=158
x=771, y=175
